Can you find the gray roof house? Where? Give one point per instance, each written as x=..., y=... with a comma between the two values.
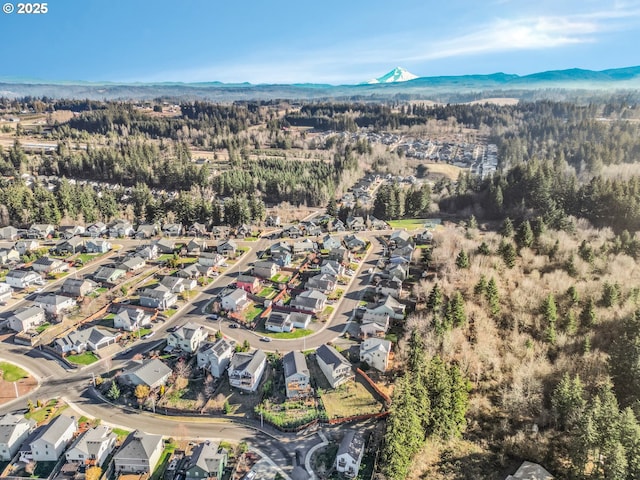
x=23, y=278
x=210, y=259
x=26, y=318
x=215, y=357
x=93, y=339
x=71, y=245
x=227, y=248
x=78, y=287
x=121, y=228
x=97, y=245
x=375, y=352
x=178, y=284
x=131, y=319
x=52, y=439
x=235, y=301
x=309, y=301
x=146, y=231
x=132, y=264
x=329, y=242
x=350, y=454
x=187, y=338
x=14, y=430
x=198, y=230
x=40, y=230
x=172, y=229
x=530, y=471
x=335, y=367
x=296, y=375
x=55, y=304
x=278, y=322
x=159, y=297
x=49, y=265
x=108, y=274
x=207, y=460
x=151, y=373
x=165, y=245
x=95, y=229
x=70, y=231
x=8, y=255
x=92, y=447
x=265, y=269
x=323, y=282
x=246, y=369
x=8, y=233
x=24, y=246
x=139, y=453
x=197, y=246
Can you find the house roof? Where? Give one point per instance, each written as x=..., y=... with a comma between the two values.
x=150, y=372
x=52, y=299
x=132, y=263
x=187, y=331
x=278, y=319
x=228, y=244
x=78, y=283
x=264, y=264
x=8, y=425
x=52, y=432
x=237, y=295
x=27, y=313
x=90, y=441
x=375, y=344
x=294, y=363
x=106, y=273
x=331, y=356
x=246, y=279
x=218, y=348
x=21, y=274
x=401, y=235
x=47, y=261
x=139, y=445
x=247, y=362
x=352, y=444
x=171, y=282
x=158, y=293
x=206, y=456
x=530, y=471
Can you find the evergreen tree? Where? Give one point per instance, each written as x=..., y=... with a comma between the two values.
x=493, y=297
x=524, y=238
x=610, y=294
x=480, y=288
x=568, y=401
x=332, y=207
x=462, y=260
x=472, y=224
x=588, y=313
x=456, y=315
x=573, y=295
x=114, y=391
x=435, y=300
x=508, y=253
x=507, y=228
x=586, y=252
x=538, y=227
x=483, y=249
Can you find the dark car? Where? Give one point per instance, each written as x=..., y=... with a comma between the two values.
x=172, y=329
x=233, y=325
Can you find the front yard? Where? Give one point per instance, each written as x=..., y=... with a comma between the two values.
x=86, y=358
x=349, y=399
x=297, y=333
x=11, y=372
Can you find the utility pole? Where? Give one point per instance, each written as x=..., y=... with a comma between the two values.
x=261, y=420
x=15, y=385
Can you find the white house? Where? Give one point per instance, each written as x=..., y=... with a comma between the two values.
x=131, y=319
x=278, y=322
x=375, y=352
x=215, y=357
x=23, y=279
x=52, y=439
x=350, y=454
x=159, y=297
x=14, y=430
x=246, y=369
x=98, y=246
x=8, y=255
x=49, y=265
x=140, y=452
x=24, y=246
x=296, y=375
x=92, y=447
x=390, y=307
x=209, y=259
x=309, y=301
x=390, y=286
x=26, y=318
x=236, y=301
x=55, y=304
x=188, y=337
x=6, y=292
x=335, y=367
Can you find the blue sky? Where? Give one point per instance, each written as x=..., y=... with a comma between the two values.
x=329, y=41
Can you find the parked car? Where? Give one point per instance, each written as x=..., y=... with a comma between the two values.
x=149, y=335
x=233, y=325
x=172, y=329
x=213, y=317
x=265, y=339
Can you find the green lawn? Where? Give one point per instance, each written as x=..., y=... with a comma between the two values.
x=120, y=433
x=351, y=398
x=280, y=278
x=267, y=292
x=162, y=463
x=143, y=331
x=86, y=358
x=11, y=372
x=87, y=257
x=252, y=313
x=41, y=328
x=297, y=333
x=169, y=312
x=408, y=223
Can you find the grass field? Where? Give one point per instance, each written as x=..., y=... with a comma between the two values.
x=252, y=313
x=408, y=223
x=87, y=257
x=164, y=460
x=41, y=328
x=297, y=333
x=267, y=292
x=280, y=278
x=450, y=171
x=351, y=398
x=121, y=433
x=11, y=372
x=86, y=358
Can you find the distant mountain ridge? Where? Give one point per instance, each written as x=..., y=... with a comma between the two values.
x=441, y=88
x=398, y=74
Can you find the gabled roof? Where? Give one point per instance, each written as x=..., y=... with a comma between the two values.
x=132, y=262
x=352, y=444
x=331, y=357
x=187, y=331
x=247, y=362
x=150, y=371
x=78, y=283
x=206, y=456
x=27, y=313
x=52, y=432
x=139, y=445
x=218, y=348
x=52, y=299
x=9, y=424
x=21, y=274
x=530, y=471
x=90, y=441
x=47, y=261
x=371, y=345
x=294, y=363
x=247, y=279
x=237, y=295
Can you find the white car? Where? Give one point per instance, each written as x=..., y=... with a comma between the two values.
x=149, y=335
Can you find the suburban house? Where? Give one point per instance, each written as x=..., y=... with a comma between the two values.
x=331, y=267
x=55, y=304
x=335, y=367
x=305, y=246
x=235, y=301
x=245, y=370
x=388, y=307
x=146, y=231
x=299, y=319
x=375, y=352
x=14, y=430
x=278, y=322
x=243, y=231
x=78, y=287
x=9, y=233
x=296, y=375
x=121, y=229
x=52, y=439
x=248, y=283
x=70, y=246
x=312, y=229
x=198, y=230
x=329, y=242
x=398, y=271
x=196, y=246
x=172, y=229
x=400, y=238
x=401, y=255
x=6, y=292
x=8, y=255
x=350, y=454
x=108, y=274
x=215, y=357
x=26, y=318
x=356, y=223
x=280, y=247
x=159, y=297
x=376, y=224
x=92, y=447
x=24, y=246
x=424, y=238
x=336, y=225
x=41, y=230
x=97, y=245
x=324, y=283
x=265, y=269
x=292, y=232
x=220, y=232
x=187, y=338
x=148, y=252
x=390, y=286
x=209, y=259
x=23, y=279
x=139, y=453
x=354, y=243
x=227, y=248
x=131, y=319
x=151, y=373
x=78, y=341
x=195, y=270
x=374, y=328
x=340, y=254
x=132, y=264
x=272, y=221
x=48, y=265
x=283, y=259
x=95, y=229
x=530, y=471
x=178, y=284
x=207, y=460
x=165, y=245
x=309, y=301
x=70, y=231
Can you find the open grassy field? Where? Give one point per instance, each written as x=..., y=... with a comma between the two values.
x=450, y=171
x=297, y=333
x=408, y=223
x=11, y=372
x=351, y=398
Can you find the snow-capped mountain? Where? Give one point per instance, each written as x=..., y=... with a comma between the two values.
x=398, y=74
